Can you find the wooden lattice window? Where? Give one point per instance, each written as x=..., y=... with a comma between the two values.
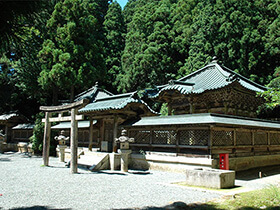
x=275, y=138
x=17, y=134
x=23, y=134
x=243, y=138
x=140, y=136
x=193, y=137
x=260, y=138
x=222, y=138
x=164, y=137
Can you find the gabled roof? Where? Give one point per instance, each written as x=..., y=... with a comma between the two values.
x=24, y=126
x=204, y=118
x=93, y=93
x=115, y=102
x=67, y=125
x=5, y=117
x=212, y=76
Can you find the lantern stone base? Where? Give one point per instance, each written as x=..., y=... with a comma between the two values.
x=212, y=178
x=61, y=149
x=125, y=154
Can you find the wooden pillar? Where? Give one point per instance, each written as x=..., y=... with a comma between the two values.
x=90, y=133
x=46, y=141
x=115, y=130
x=74, y=142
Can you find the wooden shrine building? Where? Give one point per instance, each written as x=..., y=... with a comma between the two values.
x=99, y=126
x=113, y=110
x=7, y=122
x=212, y=89
x=211, y=111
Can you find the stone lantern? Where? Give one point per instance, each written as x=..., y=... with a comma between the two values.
x=61, y=145
x=124, y=141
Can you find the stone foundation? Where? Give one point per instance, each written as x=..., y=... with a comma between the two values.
x=211, y=178
x=245, y=163
x=24, y=147
x=14, y=147
x=167, y=162
x=171, y=162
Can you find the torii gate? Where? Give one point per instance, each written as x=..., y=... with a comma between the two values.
x=49, y=110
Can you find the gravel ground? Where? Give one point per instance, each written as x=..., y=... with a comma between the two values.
x=24, y=184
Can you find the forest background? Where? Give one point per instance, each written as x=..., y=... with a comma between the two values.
x=53, y=50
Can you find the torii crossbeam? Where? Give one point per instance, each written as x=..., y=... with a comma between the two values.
x=73, y=107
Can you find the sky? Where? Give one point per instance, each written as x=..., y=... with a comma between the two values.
x=122, y=2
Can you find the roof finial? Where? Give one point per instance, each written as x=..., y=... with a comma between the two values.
x=96, y=84
x=214, y=59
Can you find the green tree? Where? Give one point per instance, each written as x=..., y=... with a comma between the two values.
x=72, y=57
x=27, y=65
x=148, y=53
x=7, y=89
x=38, y=135
x=235, y=32
x=21, y=38
x=11, y=20
x=115, y=39
x=273, y=43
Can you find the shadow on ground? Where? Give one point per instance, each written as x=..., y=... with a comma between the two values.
x=38, y=208
x=255, y=173
x=5, y=159
x=176, y=206
x=134, y=172
x=198, y=206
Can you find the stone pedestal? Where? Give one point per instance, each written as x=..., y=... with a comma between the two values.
x=125, y=153
x=212, y=178
x=124, y=145
x=114, y=161
x=61, y=145
x=62, y=152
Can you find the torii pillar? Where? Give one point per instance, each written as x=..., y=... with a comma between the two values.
x=73, y=107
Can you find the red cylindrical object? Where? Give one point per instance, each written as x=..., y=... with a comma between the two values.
x=224, y=161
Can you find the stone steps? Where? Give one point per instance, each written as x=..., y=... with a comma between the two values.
x=94, y=161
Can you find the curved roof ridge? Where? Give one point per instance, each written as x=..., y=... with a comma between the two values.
x=86, y=91
x=123, y=95
x=196, y=72
x=173, y=82
x=94, y=89
x=244, y=78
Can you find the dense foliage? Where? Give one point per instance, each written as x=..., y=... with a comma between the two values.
x=52, y=50
x=72, y=56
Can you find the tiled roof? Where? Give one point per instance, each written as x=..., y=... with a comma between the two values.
x=8, y=116
x=113, y=103
x=23, y=126
x=93, y=93
x=205, y=118
x=67, y=125
x=213, y=76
